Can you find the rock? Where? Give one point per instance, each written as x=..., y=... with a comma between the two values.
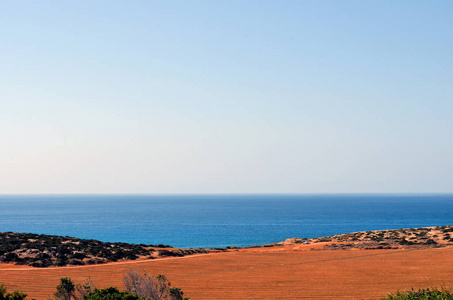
x=291, y=241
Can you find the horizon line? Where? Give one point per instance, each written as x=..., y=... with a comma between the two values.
x=228, y=194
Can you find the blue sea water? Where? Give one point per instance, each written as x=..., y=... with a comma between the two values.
x=208, y=221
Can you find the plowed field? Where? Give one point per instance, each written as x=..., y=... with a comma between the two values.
x=264, y=273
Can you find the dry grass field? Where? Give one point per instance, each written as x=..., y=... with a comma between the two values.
x=283, y=272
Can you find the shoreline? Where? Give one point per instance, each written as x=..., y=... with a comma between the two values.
x=46, y=251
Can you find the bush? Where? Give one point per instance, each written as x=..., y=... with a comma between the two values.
x=16, y=295
x=11, y=257
x=78, y=255
x=430, y=242
x=75, y=262
x=41, y=263
x=422, y=294
x=111, y=293
x=169, y=253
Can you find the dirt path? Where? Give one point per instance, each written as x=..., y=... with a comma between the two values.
x=12, y=267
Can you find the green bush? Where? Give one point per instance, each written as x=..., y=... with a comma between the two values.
x=422, y=294
x=16, y=295
x=111, y=293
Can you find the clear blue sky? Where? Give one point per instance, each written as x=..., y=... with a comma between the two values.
x=226, y=96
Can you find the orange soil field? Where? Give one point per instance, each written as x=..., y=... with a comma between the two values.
x=263, y=273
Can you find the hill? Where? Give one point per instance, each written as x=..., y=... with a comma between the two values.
x=409, y=238
x=40, y=250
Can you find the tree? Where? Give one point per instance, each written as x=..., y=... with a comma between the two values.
x=153, y=288
x=85, y=289
x=66, y=289
x=148, y=287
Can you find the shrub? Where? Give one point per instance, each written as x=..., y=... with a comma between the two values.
x=430, y=242
x=422, y=294
x=176, y=294
x=169, y=253
x=16, y=295
x=76, y=262
x=78, y=255
x=111, y=293
x=11, y=257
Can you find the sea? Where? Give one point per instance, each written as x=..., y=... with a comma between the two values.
x=214, y=221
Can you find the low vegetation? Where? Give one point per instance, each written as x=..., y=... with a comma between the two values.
x=48, y=250
x=138, y=287
x=422, y=294
x=144, y=287
x=16, y=295
x=424, y=237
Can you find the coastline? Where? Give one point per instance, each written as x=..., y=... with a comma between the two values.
x=56, y=251
x=321, y=268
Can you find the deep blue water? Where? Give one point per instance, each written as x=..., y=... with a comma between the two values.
x=218, y=220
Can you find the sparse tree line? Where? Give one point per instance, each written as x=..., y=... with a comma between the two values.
x=137, y=287
x=143, y=287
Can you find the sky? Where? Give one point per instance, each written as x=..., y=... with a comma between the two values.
x=157, y=97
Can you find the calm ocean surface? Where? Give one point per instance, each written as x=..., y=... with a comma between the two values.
x=218, y=220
